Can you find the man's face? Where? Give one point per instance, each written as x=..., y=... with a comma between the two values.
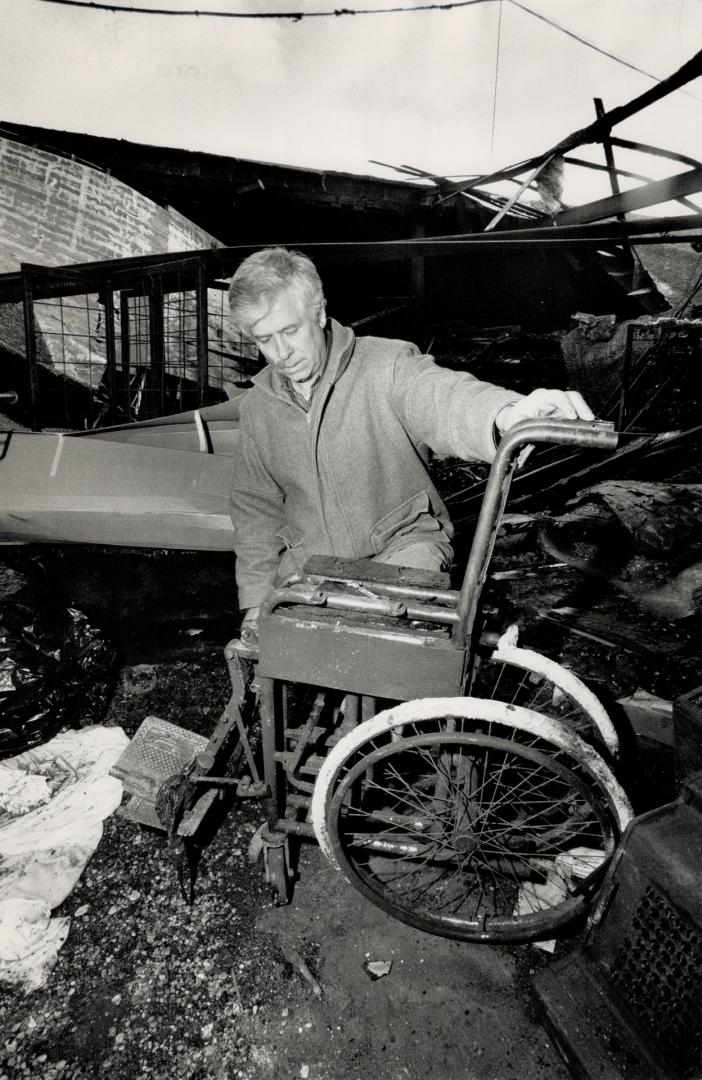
x=289, y=335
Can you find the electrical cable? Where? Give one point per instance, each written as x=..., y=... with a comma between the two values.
x=297, y=16
x=496, y=79
x=590, y=44
x=294, y=16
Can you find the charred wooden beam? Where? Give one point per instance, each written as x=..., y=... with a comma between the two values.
x=593, y=132
x=533, y=175
x=609, y=157
x=656, y=151
x=597, y=166
x=221, y=262
x=607, y=230
x=640, y=448
x=658, y=191
x=561, y=475
x=163, y=174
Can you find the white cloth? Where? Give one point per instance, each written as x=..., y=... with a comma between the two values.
x=44, y=849
x=578, y=862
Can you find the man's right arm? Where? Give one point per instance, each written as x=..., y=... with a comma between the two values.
x=258, y=515
x=452, y=412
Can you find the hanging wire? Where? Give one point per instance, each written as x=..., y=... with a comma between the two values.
x=496, y=79
x=295, y=16
x=591, y=44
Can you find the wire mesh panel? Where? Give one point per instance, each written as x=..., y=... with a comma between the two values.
x=72, y=330
x=164, y=368
x=129, y=346
x=661, y=385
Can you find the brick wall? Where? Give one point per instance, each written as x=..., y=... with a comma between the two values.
x=56, y=211
x=53, y=211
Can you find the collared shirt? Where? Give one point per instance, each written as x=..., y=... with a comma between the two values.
x=290, y=387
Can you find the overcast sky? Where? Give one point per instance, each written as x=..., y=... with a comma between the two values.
x=426, y=88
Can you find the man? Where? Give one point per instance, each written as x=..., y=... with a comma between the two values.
x=336, y=432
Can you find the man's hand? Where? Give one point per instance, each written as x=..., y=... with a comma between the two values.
x=544, y=404
x=249, y=625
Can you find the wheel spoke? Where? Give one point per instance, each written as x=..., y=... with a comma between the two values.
x=452, y=829
x=529, y=688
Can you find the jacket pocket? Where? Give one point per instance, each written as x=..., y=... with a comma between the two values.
x=294, y=558
x=290, y=536
x=400, y=520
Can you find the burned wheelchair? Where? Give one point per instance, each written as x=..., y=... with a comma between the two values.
x=476, y=816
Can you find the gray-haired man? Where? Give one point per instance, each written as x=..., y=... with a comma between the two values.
x=336, y=432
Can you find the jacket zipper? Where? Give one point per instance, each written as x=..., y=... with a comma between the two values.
x=314, y=420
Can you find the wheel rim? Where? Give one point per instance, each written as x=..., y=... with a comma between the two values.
x=522, y=677
x=463, y=833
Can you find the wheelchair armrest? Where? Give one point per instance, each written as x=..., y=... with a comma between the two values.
x=332, y=568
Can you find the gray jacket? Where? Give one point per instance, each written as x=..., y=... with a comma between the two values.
x=349, y=477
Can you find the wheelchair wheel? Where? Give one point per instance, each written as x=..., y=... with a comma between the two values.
x=519, y=676
x=442, y=818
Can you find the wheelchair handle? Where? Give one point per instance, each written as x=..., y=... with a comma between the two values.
x=291, y=593
x=587, y=434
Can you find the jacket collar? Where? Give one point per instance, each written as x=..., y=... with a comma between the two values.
x=340, y=345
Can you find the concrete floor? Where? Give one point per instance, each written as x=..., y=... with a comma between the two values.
x=447, y=1010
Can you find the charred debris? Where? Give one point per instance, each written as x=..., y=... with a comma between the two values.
x=601, y=556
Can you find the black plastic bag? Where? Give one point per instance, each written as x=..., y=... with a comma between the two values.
x=55, y=671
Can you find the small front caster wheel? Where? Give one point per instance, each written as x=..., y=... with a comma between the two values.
x=277, y=868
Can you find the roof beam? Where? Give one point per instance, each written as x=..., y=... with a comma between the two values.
x=594, y=131
x=624, y=172
x=658, y=191
x=656, y=151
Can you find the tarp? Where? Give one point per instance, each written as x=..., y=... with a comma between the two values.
x=53, y=800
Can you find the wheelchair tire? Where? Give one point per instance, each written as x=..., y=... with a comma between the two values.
x=470, y=819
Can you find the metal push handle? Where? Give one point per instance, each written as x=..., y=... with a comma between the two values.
x=587, y=434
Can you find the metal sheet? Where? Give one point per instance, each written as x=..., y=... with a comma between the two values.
x=359, y=660
x=57, y=489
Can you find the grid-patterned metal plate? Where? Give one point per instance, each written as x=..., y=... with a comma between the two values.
x=158, y=750
x=658, y=971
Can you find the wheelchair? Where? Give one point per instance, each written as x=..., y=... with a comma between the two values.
x=483, y=815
